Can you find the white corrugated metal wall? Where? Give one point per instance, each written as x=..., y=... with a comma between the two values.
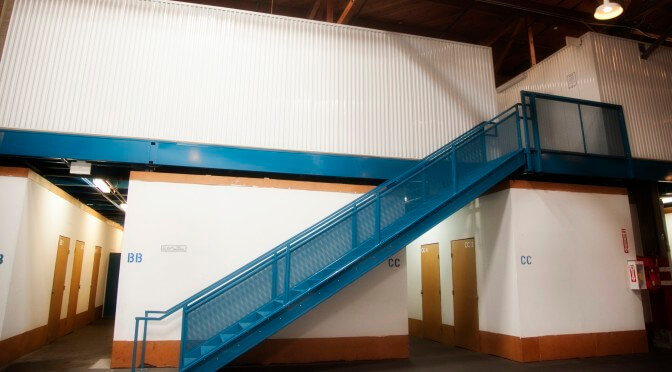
x=182, y=72
x=609, y=69
x=569, y=72
x=643, y=87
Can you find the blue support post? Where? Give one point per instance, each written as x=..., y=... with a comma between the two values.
x=355, y=237
x=520, y=138
x=274, y=290
x=624, y=133
x=135, y=343
x=376, y=231
x=183, y=338
x=583, y=132
x=535, y=133
x=526, y=126
x=144, y=344
x=288, y=266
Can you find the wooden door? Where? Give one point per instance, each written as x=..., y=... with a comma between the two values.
x=58, y=287
x=94, y=284
x=74, y=286
x=431, y=292
x=465, y=296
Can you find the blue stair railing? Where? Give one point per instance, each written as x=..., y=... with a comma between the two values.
x=233, y=314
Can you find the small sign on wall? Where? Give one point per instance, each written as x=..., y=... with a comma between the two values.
x=624, y=236
x=173, y=248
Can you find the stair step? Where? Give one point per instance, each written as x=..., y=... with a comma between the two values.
x=188, y=361
x=264, y=313
x=226, y=336
x=245, y=325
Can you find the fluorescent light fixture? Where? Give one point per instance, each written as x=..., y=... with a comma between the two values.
x=666, y=199
x=102, y=185
x=124, y=206
x=608, y=10
x=80, y=167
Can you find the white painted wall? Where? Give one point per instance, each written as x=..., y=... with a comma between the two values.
x=35, y=219
x=12, y=204
x=643, y=87
x=568, y=72
x=577, y=281
x=224, y=227
x=144, y=68
x=487, y=220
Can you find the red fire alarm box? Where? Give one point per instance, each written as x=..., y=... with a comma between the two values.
x=651, y=272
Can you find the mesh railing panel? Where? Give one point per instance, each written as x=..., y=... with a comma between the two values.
x=211, y=317
x=559, y=125
x=366, y=222
x=280, y=285
x=503, y=140
x=321, y=251
x=578, y=127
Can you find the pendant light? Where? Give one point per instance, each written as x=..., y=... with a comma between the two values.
x=608, y=10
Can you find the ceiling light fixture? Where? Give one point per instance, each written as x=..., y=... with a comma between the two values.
x=102, y=185
x=608, y=10
x=666, y=199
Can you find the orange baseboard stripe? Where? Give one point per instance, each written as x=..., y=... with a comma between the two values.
x=27, y=342
x=249, y=182
x=415, y=327
x=20, y=345
x=556, y=347
x=554, y=186
x=277, y=351
x=14, y=172
x=508, y=347
x=447, y=331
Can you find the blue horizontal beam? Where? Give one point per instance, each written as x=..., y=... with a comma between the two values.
x=604, y=166
x=652, y=170
x=148, y=152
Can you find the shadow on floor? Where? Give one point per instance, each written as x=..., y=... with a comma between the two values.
x=89, y=349
x=432, y=356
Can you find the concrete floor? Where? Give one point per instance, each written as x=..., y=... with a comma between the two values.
x=88, y=349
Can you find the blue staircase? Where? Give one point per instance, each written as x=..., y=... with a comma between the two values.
x=544, y=133
x=236, y=313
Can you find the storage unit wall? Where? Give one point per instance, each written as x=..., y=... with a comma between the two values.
x=191, y=73
x=609, y=69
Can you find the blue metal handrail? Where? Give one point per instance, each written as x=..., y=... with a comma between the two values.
x=304, y=237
